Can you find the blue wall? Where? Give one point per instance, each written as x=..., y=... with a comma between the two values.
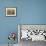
x=28, y=12
x=33, y=12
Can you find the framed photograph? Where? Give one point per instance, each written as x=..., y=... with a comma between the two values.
x=10, y=11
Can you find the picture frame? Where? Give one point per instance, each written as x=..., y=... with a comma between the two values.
x=10, y=11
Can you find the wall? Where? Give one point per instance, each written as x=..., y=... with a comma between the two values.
x=8, y=24
x=28, y=12
x=33, y=12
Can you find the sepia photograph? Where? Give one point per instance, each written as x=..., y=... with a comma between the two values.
x=10, y=11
